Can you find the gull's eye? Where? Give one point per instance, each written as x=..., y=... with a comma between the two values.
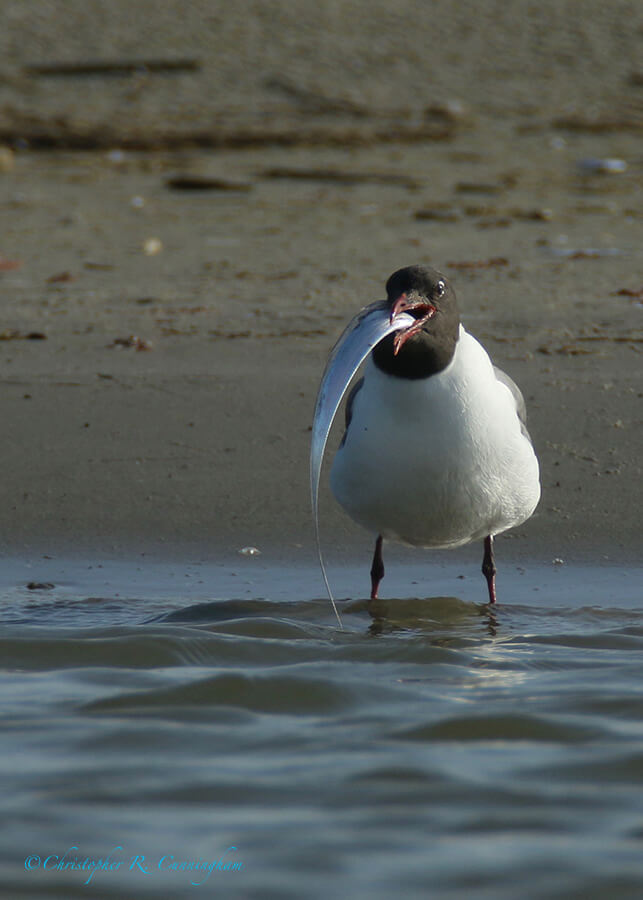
x=440, y=288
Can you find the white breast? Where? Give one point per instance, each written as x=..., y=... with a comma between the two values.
x=437, y=462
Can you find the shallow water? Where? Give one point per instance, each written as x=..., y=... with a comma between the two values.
x=433, y=748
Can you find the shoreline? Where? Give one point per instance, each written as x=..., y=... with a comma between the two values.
x=161, y=346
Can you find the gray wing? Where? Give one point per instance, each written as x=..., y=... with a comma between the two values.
x=519, y=400
x=349, y=408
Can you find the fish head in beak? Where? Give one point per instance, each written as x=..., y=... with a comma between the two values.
x=418, y=307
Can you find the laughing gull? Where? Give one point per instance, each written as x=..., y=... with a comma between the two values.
x=435, y=453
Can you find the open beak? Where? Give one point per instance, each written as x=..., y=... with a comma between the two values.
x=419, y=308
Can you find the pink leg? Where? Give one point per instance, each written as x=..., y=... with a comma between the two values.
x=489, y=568
x=377, y=568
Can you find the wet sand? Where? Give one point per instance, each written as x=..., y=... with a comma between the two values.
x=160, y=351
x=197, y=443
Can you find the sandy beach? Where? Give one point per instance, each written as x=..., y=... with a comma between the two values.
x=194, y=200
x=161, y=339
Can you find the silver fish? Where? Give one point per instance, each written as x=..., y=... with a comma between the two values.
x=371, y=325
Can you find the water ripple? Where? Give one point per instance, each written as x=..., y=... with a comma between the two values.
x=434, y=742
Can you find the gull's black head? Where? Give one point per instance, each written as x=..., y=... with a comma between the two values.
x=427, y=347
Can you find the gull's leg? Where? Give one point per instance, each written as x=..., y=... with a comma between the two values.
x=377, y=568
x=489, y=568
